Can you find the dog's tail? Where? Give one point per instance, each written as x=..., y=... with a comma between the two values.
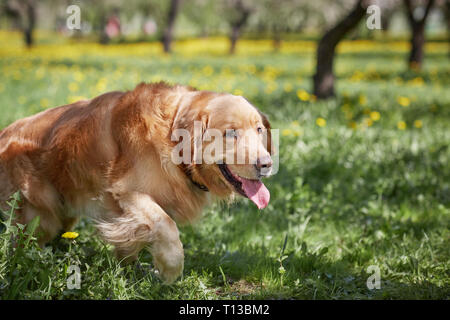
x=4, y=181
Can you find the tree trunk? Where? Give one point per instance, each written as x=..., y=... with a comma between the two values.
x=324, y=77
x=235, y=33
x=386, y=19
x=26, y=12
x=447, y=19
x=168, y=32
x=31, y=21
x=417, y=42
x=237, y=25
x=276, y=40
x=417, y=34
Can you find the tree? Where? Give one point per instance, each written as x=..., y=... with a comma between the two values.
x=168, y=31
x=417, y=26
x=324, y=77
x=25, y=12
x=281, y=16
x=203, y=15
x=238, y=14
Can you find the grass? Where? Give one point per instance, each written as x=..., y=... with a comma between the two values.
x=363, y=178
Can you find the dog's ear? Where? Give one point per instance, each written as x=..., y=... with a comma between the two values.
x=268, y=135
x=196, y=123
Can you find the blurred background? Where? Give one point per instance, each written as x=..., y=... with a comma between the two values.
x=359, y=91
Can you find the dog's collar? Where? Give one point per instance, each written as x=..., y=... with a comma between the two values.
x=188, y=173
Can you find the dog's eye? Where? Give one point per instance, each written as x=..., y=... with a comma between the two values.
x=260, y=129
x=230, y=133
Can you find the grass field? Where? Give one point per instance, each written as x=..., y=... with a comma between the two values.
x=363, y=179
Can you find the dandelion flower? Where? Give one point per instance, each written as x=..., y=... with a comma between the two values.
x=70, y=235
x=238, y=92
x=353, y=125
x=44, y=103
x=403, y=101
x=418, y=81
x=401, y=125
x=375, y=115
x=321, y=122
x=362, y=100
x=302, y=95
x=418, y=124
x=368, y=122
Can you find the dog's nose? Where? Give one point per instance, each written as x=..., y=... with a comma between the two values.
x=264, y=163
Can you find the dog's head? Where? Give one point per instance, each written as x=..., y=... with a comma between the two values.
x=231, y=145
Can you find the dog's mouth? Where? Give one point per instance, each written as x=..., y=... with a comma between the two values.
x=254, y=190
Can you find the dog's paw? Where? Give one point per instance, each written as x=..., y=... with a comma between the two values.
x=169, y=264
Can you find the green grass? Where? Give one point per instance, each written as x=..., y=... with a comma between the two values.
x=344, y=199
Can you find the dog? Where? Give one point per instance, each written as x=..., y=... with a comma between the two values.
x=111, y=158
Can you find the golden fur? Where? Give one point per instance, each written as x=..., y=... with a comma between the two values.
x=109, y=158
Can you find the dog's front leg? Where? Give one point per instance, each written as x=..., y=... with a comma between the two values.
x=144, y=223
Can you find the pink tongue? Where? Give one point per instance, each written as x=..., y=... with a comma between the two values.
x=256, y=191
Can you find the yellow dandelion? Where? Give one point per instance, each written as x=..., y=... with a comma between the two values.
x=353, y=125
x=302, y=95
x=418, y=124
x=286, y=132
x=70, y=235
x=401, y=125
x=238, y=92
x=44, y=103
x=101, y=84
x=362, y=100
x=368, y=122
x=404, y=101
x=418, y=81
x=375, y=115
x=321, y=122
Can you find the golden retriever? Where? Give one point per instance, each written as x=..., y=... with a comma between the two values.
x=111, y=158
